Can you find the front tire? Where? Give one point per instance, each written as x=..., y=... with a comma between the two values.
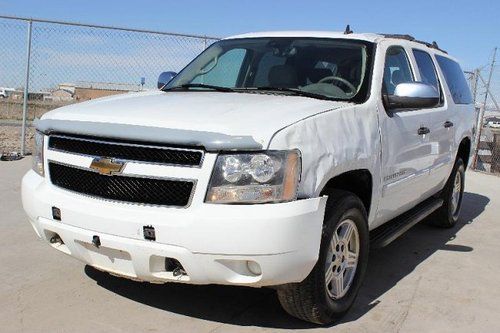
x=330, y=289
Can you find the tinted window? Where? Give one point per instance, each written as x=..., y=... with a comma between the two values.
x=397, y=69
x=426, y=68
x=455, y=80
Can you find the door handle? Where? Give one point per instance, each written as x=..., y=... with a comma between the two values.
x=447, y=124
x=423, y=130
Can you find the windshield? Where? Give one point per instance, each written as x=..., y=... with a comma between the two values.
x=331, y=68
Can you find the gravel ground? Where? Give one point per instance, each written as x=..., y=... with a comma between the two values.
x=10, y=139
x=429, y=280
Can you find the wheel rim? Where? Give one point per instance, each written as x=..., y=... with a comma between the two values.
x=342, y=259
x=456, y=193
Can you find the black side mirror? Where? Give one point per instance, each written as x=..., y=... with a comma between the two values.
x=165, y=78
x=413, y=95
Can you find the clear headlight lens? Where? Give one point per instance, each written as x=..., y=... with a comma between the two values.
x=270, y=176
x=38, y=154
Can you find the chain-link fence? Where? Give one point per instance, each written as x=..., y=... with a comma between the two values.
x=48, y=64
x=485, y=87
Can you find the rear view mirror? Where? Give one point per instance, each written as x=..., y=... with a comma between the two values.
x=165, y=78
x=414, y=95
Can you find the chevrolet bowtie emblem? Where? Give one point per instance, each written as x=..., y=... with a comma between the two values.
x=107, y=166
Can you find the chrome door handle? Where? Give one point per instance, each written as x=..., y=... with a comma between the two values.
x=447, y=124
x=423, y=130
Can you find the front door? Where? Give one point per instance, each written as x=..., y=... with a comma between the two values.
x=406, y=146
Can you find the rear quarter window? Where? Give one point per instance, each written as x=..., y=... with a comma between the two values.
x=455, y=79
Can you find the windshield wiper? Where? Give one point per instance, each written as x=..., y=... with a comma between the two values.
x=186, y=86
x=294, y=91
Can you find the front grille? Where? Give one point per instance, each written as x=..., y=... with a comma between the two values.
x=122, y=188
x=127, y=151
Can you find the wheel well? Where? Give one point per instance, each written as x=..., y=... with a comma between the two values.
x=464, y=150
x=358, y=182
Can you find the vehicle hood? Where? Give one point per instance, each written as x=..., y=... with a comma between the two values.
x=215, y=120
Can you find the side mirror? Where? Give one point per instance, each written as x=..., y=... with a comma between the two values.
x=413, y=95
x=165, y=78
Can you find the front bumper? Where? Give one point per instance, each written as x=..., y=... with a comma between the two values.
x=213, y=243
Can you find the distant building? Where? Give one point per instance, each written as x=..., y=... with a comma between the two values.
x=32, y=96
x=82, y=91
x=60, y=95
x=68, y=92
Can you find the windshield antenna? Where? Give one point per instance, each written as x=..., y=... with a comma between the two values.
x=348, y=30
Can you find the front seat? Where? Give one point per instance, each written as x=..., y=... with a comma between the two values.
x=283, y=76
x=396, y=78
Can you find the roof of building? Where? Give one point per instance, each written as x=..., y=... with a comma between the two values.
x=102, y=86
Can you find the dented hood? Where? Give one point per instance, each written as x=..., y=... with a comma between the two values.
x=214, y=120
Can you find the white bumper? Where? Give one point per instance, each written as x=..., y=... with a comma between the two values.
x=212, y=242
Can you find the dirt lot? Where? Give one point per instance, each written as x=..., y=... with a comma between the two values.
x=430, y=280
x=10, y=139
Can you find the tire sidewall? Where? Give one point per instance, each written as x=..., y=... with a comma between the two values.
x=454, y=215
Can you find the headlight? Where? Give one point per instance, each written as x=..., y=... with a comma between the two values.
x=270, y=176
x=38, y=154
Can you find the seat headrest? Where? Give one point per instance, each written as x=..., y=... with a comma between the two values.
x=397, y=77
x=283, y=76
x=317, y=74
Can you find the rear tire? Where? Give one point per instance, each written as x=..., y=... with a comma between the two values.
x=447, y=215
x=330, y=289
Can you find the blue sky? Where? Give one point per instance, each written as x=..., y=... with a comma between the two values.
x=467, y=29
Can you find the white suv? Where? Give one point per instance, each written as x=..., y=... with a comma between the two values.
x=272, y=159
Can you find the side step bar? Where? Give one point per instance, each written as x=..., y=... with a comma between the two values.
x=388, y=232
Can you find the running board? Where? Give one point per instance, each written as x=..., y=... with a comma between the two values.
x=388, y=232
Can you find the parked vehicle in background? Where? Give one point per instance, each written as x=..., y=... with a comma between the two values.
x=273, y=159
x=5, y=92
x=493, y=122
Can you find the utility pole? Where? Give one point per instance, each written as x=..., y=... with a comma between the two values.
x=475, y=77
x=488, y=91
x=489, y=77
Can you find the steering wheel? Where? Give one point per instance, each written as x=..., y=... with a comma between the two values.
x=336, y=78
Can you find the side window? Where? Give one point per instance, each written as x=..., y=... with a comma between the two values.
x=426, y=68
x=455, y=79
x=225, y=71
x=397, y=69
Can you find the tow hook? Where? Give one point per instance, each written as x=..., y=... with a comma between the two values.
x=178, y=271
x=96, y=241
x=55, y=239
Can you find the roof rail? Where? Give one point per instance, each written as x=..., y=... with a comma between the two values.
x=432, y=45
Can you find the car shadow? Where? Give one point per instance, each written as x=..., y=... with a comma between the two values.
x=260, y=307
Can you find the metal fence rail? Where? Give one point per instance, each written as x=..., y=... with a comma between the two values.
x=46, y=64
x=485, y=87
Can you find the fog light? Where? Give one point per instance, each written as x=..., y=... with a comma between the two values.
x=254, y=267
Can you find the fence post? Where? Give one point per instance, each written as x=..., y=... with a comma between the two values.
x=477, y=139
x=26, y=89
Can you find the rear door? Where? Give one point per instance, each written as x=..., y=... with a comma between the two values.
x=441, y=124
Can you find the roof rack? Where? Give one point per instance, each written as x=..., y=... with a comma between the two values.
x=432, y=45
